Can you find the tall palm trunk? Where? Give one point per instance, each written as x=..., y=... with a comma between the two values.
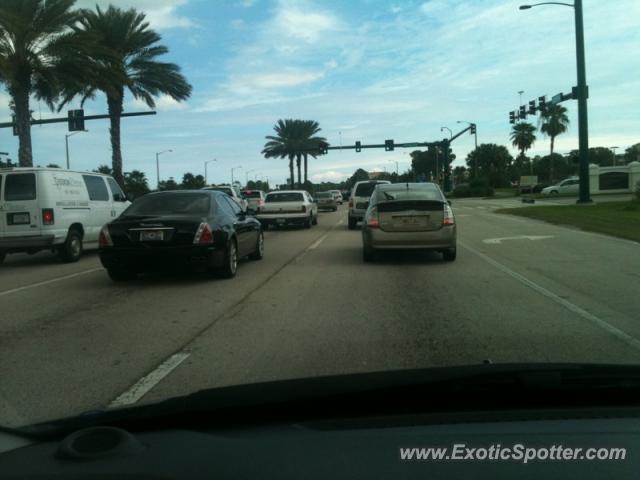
x=23, y=123
x=291, y=176
x=298, y=162
x=305, y=168
x=114, y=104
x=551, y=159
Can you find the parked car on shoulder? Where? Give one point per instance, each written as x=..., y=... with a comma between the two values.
x=569, y=185
x=288, y=207
x=232, y=192
x=55, y=209
x=359, y=200
x=199, y=229
x=409, y=216
x=326, y=201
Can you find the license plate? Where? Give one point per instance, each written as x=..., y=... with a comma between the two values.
x=281, y=221
x=414, y=221
x=151, y=236
x=20, y=219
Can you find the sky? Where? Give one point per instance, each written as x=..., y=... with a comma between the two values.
x=366, y=70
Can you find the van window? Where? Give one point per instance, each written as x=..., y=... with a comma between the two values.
x=118, y=194
x=20, y=186
x=96, y=187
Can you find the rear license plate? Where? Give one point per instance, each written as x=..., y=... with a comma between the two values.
x=414, y=221
x=19, y=219
x=281, y=221
x=151, y=236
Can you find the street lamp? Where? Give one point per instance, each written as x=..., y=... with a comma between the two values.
x=206, y=181
x=232, y=170
x=246, y=175
x=614, y=154
x=396, y=162
x=158, y=164
x=450, y=132
x=583, y=129
x=66, y=142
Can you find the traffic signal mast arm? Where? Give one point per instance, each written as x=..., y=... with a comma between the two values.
x=84, y=117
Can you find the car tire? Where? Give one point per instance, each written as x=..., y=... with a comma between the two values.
x=368, y=254
x=315, y=220
x=335, y=209
x=71, y=250
x=308, y=222
x=121, y=274
x=3, y=255
x=352, y=223
x=553, y=193
x=258, y=254
x=449, y=255
x=230, y=267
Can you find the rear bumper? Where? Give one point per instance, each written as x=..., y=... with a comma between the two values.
x=142, y=260
x=327, y=206
x=26, y=242
x=443, y=238
x=285, y=219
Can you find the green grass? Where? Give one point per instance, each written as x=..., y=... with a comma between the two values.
x=620, y=219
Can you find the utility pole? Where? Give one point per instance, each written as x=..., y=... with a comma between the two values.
x=158, y=165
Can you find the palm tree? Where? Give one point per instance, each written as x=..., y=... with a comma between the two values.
x=127, y=60
x=553, y=122
x=312, y=127
x=523, y=136
x=39, y=51
x=281, y=144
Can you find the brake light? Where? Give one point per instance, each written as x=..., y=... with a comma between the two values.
x=304, y=208
x=373, y=222
x=104, y=240
x=204, y=235
x=47, y=216
x=448, y=216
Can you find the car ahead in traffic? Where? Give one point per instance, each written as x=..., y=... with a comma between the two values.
x=338, y=196
x=359, y=200
x=55, y=209
x=232, y=192
x=326, y=201
x=569, y=185
x=199, y=229
x=408, y=216
x=288, y=207
x=254, y=199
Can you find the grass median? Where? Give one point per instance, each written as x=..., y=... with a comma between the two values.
x=619, y=219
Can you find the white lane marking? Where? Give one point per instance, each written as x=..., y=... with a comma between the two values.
x=625, y=337
x=317, y=243
x=48, y=282
x=146, y=383
x=497, y=241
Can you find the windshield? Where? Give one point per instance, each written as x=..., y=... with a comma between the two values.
x=170, y=204
x=284, y=197
x=125, y=281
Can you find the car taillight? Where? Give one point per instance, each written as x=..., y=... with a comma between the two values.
x=47, y=216
x=351, y=203
x=204, y=235
x=304, y=208
x=373, y=221
x=448, y=216
x=104, y=240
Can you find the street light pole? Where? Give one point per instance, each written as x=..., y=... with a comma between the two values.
x=158, y=165
x=583, y=126
x=614, y=154
x=66, y=143
x=232, y=170
x=206, y=181
x=450, y=132
x=246, y=175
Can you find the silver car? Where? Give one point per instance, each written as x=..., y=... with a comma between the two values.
x=408, y=216
x=326, y=201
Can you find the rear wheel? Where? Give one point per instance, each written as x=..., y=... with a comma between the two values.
x=352, y=223
x=449, y=255
x=121, y=274
x=71, y=250
x=315, y=219
x=368, y=254
x=258, y=254
x=3, y=255
x=230, y=266
x=308, y=222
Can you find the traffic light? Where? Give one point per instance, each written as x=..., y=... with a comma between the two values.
x=322, y=149
x=473, y=129
x=75, y=120
x=358, y=146
x=542, y=103
x=512, y=117
x=523, y=112
x=532, y=107
x=388, y=145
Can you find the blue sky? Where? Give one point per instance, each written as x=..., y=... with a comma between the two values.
x=366, y=70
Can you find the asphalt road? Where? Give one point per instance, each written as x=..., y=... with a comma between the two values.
x=520, y=291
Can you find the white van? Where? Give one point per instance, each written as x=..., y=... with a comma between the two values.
x=52, y=208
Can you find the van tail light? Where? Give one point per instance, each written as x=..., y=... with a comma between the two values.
x=47, y=216
x=260, y=205
x=104, y=240
x=304, y=208
x=374, y=221
x=204, y=235
x=448, y=219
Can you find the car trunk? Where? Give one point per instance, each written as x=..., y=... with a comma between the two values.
x=282, y=207
x=147, y=232
x=411, y=215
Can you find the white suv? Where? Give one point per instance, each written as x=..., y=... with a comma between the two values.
x=232, y=192
x=359, y=200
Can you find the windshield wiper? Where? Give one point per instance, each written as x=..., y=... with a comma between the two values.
x=389, y=196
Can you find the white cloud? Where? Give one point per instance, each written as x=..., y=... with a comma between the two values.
x=278, y=79
x=237, y=23
x=329, y=176
x=164, y=103
x=161, y=14
x=246, y=3
x=303, y=24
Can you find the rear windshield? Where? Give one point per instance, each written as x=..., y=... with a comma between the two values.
x=365, y=189
x=411, y=194
x=324, y=195
x=170, y=204
x=20, y=186
x=284, y=197
x=251, y=194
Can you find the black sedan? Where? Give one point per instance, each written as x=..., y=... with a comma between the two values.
x=204, y=229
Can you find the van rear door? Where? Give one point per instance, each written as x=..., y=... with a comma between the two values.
x=21, y=215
